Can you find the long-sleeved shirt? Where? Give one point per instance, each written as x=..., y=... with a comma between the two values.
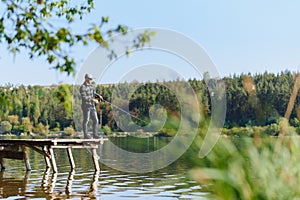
x=87, y=92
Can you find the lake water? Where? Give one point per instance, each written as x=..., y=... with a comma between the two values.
x=167, y=183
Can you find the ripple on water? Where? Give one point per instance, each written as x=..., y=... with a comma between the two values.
x=147, y=184
x=154, y=178
x=166, y=187
x=120, y=184
x=182, y=190
x=181, y=184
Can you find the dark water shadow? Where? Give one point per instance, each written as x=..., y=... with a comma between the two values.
x=11, y=186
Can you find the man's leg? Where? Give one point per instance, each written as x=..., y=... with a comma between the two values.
x=95, y=121
x=86, y=117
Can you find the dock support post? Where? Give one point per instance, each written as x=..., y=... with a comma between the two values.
x=2, y=163
x=53, y=161
x=71, y=159
x=26, y=158
x=95, y=159
x=47, y=159
x=69, y=182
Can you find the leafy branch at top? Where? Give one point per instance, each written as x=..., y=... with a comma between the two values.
x=32, y=26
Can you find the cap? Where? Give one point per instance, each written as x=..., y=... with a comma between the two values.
x=89, y=76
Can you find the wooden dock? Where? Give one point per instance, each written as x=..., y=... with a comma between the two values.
x=17, y=149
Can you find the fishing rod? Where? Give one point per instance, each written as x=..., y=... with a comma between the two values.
x=121, y=109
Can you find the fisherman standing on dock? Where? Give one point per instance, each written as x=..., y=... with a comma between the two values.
x=88, y=94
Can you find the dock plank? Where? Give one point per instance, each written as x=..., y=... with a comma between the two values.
x=45, y=147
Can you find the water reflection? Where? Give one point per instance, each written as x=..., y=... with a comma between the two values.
x=50, y=179
x=45, y=180
x=94, y=183
x=69, y=183
x=11, y=186
x=168, y=183
x=107, y=184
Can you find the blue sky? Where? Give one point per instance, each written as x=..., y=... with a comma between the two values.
x=239, y=36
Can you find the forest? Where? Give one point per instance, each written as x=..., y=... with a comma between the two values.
x=258, y=100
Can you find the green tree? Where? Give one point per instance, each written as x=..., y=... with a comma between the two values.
x=17, y=102
x=36, y=110
x=5, y=105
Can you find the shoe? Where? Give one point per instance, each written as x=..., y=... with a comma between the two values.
x=86, y=136
x=98, y=136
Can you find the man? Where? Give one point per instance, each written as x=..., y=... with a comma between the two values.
x=88, y=93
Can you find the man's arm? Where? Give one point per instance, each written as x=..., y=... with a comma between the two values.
x=98, y=96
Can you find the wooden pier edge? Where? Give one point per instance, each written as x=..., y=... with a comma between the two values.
x=16, y=149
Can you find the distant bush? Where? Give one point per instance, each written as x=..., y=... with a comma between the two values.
x=140, y=132
x=167, y=132
x=273, y=129
x=106, y=130
x=40, y=128
x=13, y=119
x=5, y=127
x=69, y=131
x=26, y=125
x=238, y=131
x=57, y=127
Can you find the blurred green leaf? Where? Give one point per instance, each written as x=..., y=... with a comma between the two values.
x=239, y=168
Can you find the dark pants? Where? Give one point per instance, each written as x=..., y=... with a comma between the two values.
x=89, y=112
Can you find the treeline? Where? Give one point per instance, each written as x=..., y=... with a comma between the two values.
x=252, y=100
x=34, y=108
x=260, y=99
